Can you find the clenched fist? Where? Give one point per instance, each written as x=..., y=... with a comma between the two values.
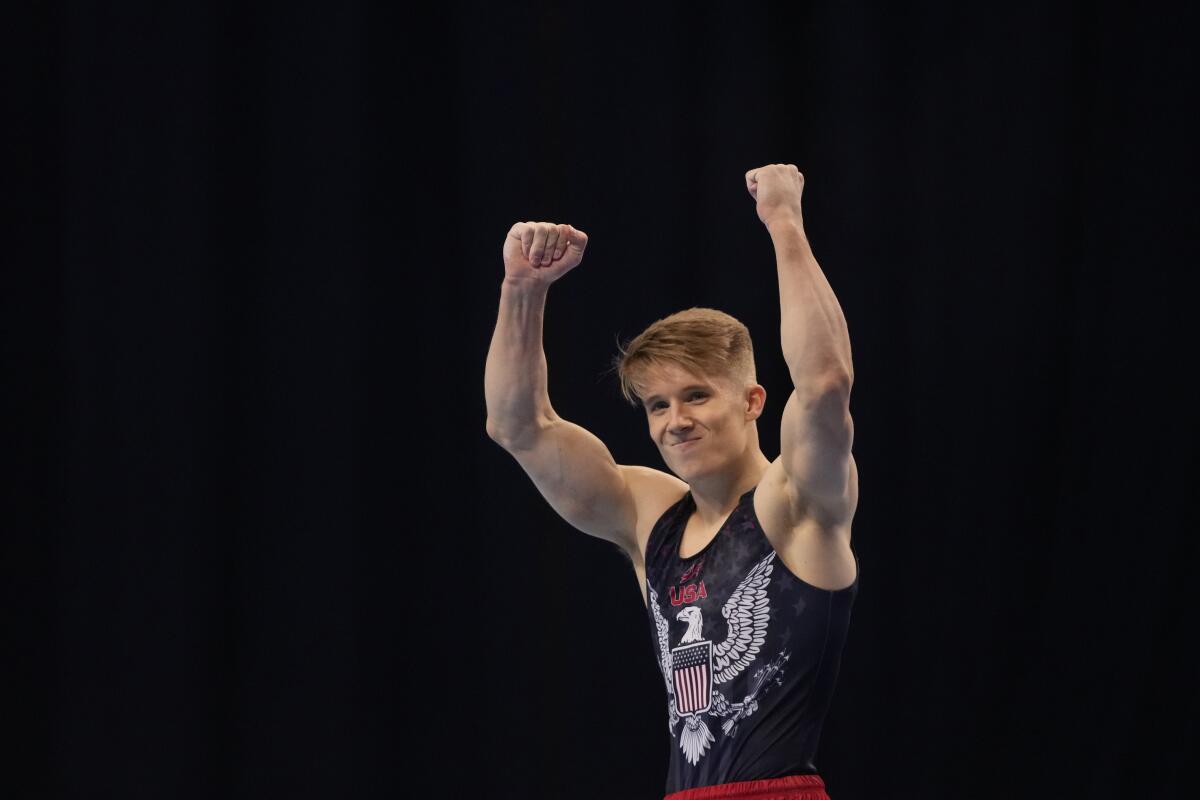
x=776, y=189
x=542, y=251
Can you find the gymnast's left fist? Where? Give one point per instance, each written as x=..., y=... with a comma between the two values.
x=776, y=189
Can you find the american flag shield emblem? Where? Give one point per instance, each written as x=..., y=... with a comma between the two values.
x=691, y=673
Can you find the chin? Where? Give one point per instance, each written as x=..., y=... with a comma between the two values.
x=690, y=472
x=678, y=469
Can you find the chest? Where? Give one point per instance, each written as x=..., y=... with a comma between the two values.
x=769, y=510
x=820, y=558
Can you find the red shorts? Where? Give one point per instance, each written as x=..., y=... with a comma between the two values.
x=792, y=787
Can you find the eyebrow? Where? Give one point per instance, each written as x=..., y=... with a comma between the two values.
x=650, y=400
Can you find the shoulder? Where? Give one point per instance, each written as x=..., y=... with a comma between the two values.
x=787, y=508
x=815, y=549
x=653, y=492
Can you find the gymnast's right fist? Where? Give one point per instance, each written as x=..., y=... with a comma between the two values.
x=542, y=251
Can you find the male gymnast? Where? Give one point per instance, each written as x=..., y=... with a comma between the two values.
x=744, y=563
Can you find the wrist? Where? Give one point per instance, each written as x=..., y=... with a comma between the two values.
x=524, y=285
x=789, y=238
x=787, y=225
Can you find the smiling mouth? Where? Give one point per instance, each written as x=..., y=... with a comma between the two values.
x=685, y=441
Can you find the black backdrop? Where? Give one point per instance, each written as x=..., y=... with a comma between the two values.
x=258, y=542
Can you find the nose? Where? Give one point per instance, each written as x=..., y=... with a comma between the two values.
x=679, y=421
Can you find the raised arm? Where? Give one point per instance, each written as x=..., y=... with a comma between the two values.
x=571, y=468
x=817, y=431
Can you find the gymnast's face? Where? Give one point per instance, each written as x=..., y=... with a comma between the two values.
x=697, y=423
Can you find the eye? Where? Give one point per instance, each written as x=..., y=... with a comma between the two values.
x=692, y=396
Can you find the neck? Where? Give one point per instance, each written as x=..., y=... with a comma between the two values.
x=717, y=495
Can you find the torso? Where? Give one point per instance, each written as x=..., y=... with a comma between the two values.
x=746, y=647
x=816, y=553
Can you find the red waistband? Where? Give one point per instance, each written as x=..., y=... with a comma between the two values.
x=791, y=787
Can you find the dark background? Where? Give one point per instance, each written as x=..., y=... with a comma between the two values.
x=257, y=541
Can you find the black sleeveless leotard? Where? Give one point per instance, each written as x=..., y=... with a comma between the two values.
x=749, y=652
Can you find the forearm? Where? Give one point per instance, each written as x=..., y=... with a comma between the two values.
x=515, y=386
x=815, y=339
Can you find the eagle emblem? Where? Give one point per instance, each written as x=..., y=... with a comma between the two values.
x=695, y=668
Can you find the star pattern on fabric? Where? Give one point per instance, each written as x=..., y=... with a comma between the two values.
x=742, y=548
x=799, y=607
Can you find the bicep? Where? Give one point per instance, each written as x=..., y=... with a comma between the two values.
x=577, y=475
x=816, y=435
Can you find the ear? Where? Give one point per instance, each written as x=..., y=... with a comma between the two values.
x=756, y=401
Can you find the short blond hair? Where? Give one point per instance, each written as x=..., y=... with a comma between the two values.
x=703, y=341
